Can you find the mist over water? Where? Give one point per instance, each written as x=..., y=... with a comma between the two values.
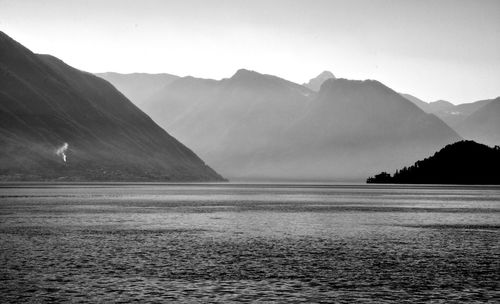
x=249, y=243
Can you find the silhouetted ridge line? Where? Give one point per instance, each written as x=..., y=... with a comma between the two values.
x=464, y=162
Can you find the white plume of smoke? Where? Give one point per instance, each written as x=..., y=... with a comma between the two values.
x=62, y=151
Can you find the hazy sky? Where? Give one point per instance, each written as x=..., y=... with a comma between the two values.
x=432, y=49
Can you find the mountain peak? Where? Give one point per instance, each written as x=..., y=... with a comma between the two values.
x=316, y=82
x=351, y=83
x=443, y=102
x=247, y=77
x=244, y=73
x=326, y=75
x=441, y=105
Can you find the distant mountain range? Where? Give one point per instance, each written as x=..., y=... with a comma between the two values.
x=59, y=123
x=229, y=122
x=478, y=121
x=464, y=162
x=148, y=89
x=351, y=128
x=256, y=126
x=248, y=126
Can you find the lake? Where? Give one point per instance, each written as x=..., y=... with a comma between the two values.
x=259, y=243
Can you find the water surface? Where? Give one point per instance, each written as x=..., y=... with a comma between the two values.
x=249, y=243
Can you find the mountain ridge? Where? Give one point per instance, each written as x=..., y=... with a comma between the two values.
x=45, y=103
x=315, y=83
x=350, y=128
x=450, y=113
x=255, y=117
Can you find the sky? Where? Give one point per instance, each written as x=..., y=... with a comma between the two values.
x=433, y=50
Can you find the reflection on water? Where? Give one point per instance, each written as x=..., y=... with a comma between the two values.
x=223, y=243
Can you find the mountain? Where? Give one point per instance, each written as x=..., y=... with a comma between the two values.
x=231, y=121
x=351, y=128
x=177, y=99
x=138, y=86
x=464, y=162
x=479, y=120
x=483, y=125
x=440, y=105
x=455, y=114
x=47, y=106
x=445, y=110
x=315, y=83
x=424, y=106
x=256, y=126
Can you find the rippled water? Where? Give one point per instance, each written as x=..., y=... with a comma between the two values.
x=249, y=243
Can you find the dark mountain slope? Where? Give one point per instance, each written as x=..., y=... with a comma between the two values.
x=464, y=162
x=45, y=103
